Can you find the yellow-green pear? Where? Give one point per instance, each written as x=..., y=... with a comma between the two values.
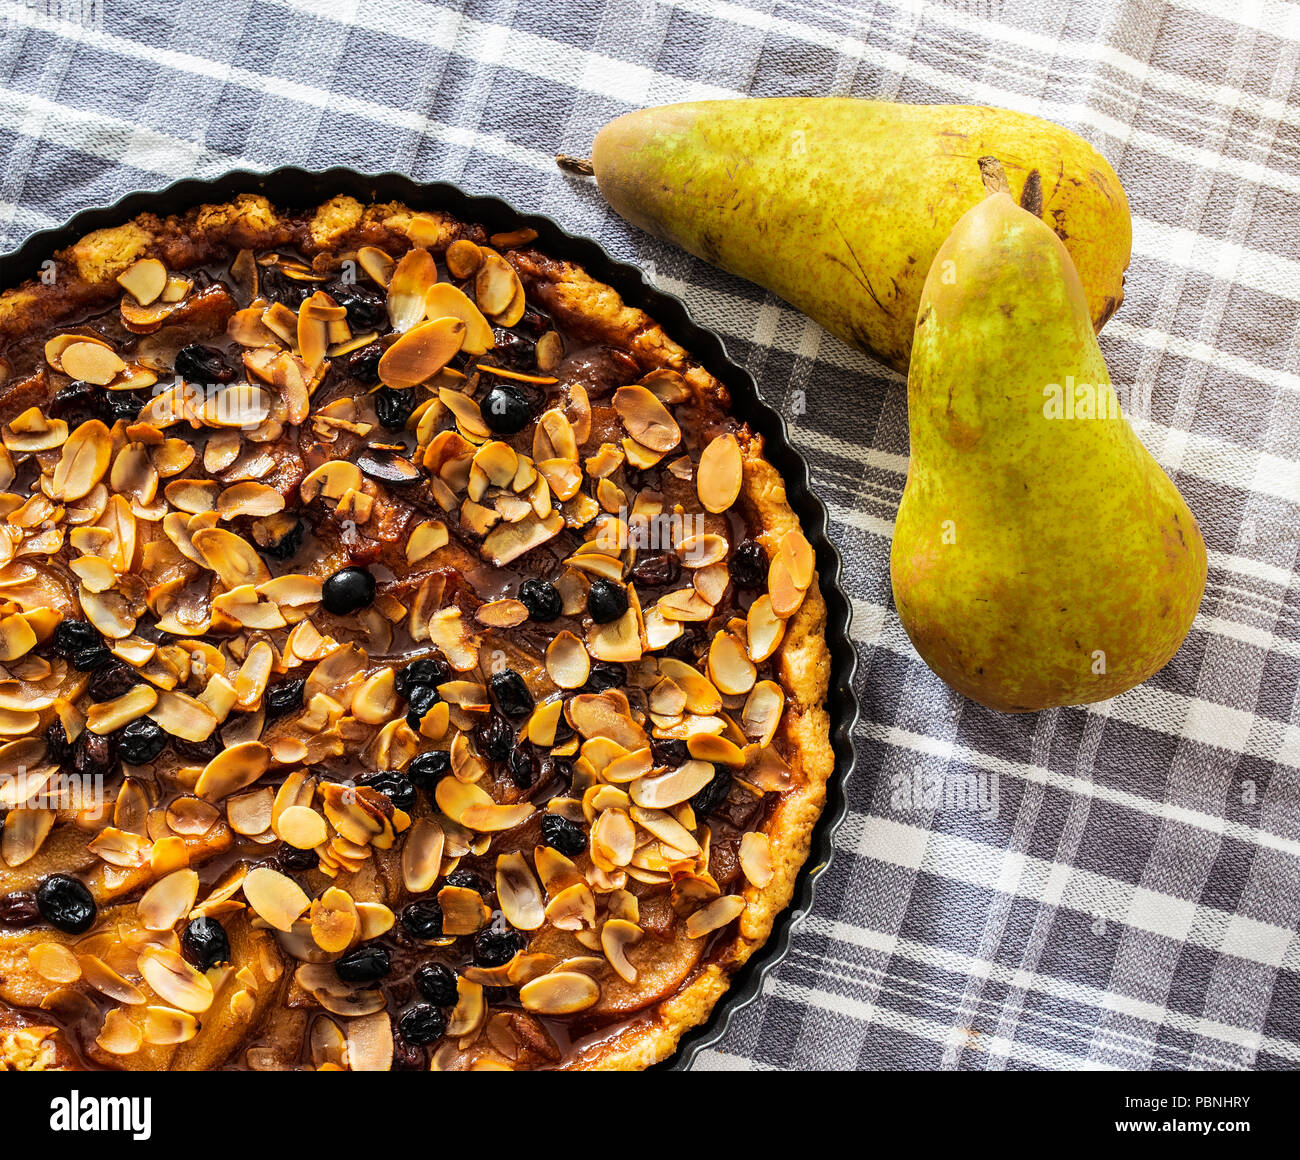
x=838, y=205
x=1041, y=557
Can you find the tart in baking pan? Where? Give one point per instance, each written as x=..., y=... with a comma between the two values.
x=407, y=657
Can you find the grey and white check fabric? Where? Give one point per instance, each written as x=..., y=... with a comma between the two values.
x=1113, y=886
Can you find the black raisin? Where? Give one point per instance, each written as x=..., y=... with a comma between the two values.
x=284, y=697
x=713, y=795
x=495, y=738
x=512, y=695
x=276, y=286
x=511, y=350
x=419, y=701
x=111, y=681
x=366, y=308
x=80, y=402
x=437, y=983
x=432, y=671
x=89, y=660
x=393, y=406
x=422, y=919
x=203, y=364
x=71, y=636
x=203, y=751
x=286, y=543
x=605, y=675
x=141, y=741
x=397, y=789
x=468, y=880
x=348, y=590
x=669, y=752
x=127, y=404
x=606, y=600
x=94, y=754
x=495, y=948
x=66, y=904
x=19, y=909
x=505, y=409
x=748, y=565
x=562, y=835
x=422, y=1024
x=363, y=365
x=428, y=769
x=522, y=765
x=295, y=860
x=542, y=599
x=57, y=746
x=657, y=570
x=205, y=943
x=367, y=963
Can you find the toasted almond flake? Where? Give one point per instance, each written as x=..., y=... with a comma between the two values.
x=249, y=499
x=647, y=420
x=730, y=668
x=502, y=614
x=408, y=285
x=377, y=264
x=463, y=258
x=572, y=908
x=119, y=1035
x=232, y=770
x=249, y=814
x=103, y=978
x=231, y=557
x=82, y=462
x=756, y=858
x=720, y=473
x=107, y=716
x=702, y=552
x=278, y=900
x=468, y=1015
x=567, y=661
x=495, y=284
x=425, y=539
x=334, y=920
x=713, y=748
x=184, y=716
x=144, y=279
x=762, y=712
x=165, y=1025
x=669, y=789
x=421, y=352
x=614, y=837
x=241, y=405
x=370, y=1042
x=550, y=351
x=422, y=855
x=376, y=919
x=25, y=831
x=191, y=816
x=667, y=829
x=302, y=827
x=463, y=911
x=560, y=993
x=445, y=301
x=615, y=937
x=507, y=542
x=797, y=555
x=54, y=962
x=684, y=604
x=92, y=362
x=628, y=767
x=175, y=981
x=714, y=916
x=168, y=900
x=518, y=892
x=785, y=596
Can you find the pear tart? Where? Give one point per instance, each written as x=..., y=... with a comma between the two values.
x=407, y=660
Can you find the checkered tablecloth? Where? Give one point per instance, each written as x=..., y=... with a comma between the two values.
x=1115, y=886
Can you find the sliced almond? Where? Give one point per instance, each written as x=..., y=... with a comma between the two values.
x=560, y=993
x=421, y=352
x=664, y=790
x=720, y=473
x=445, y=301
x=567, y=661
x=422, y=855
x=715, y=915
x=168, y=900
x=278, y=900
x=92, y=362
x=144, y=279
x=302, y=827
x=82, y=462
x=647, y=420
x=408, y=286
x=518, y=892
x=175, y=981
x=756, y=858
x=615, y=937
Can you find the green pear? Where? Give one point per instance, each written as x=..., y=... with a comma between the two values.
x=1041, y=557
x=839, y=205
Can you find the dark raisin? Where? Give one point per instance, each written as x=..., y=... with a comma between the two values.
x=89, y=660
x=542, y=599
x=419, y=701
x=522, y=765
x=283, y=697
x=203, y=364
x=422, y=1024
x=511, y=350
x=407, y=1056
x=495, y=738
x=295, y=860
x=422, y=919
x=688, y=646
x=80, y=402
x=657, y=570
x=606, y=600
x=669, y=752
x=203, y=751
x=205, y=943
x=506, y=409
x=748, y=565
x=468, y=880
x=557, y=767
x=426, y=770
x=348, y=590
x=19, y=909
x=127, y=404
x=437, y=983
x=495, y=948
x=512, y=695
x=276, y=286
x=713, y=795
x=605, y=675
x=393, y=406
x=111, y=681
x=562, y=835
x=71, y=636
x=57, y=746
x=94, y=754
x=284, y=543
x=426, y=671
x=366, y=308
x=364, y=964
x=141, y=741
x=397, y=789
x=66, y=904
x=363, y=365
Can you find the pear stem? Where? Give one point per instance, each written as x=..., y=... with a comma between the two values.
x=580, y=165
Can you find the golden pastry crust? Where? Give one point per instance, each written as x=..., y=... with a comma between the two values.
x=85, y=275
